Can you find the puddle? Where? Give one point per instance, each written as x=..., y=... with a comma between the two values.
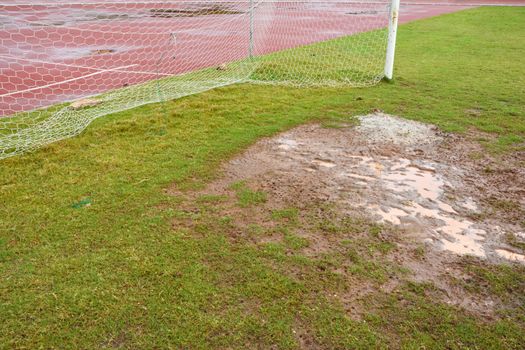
x=412, y=195
x=72, y=16
x=510, y=255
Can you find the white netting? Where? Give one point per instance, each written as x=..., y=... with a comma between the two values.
x=63, y=64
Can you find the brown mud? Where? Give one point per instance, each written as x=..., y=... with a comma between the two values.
x=437, y=193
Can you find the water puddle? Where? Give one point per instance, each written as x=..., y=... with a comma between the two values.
x=412, y=195
x=510, y=255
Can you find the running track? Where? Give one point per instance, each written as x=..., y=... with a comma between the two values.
x=62, y=52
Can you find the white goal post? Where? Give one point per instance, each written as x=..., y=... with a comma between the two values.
x=66, y=63
x=392, y=36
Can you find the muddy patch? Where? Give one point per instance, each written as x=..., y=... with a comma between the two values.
x=393, y=170
x=420, y=184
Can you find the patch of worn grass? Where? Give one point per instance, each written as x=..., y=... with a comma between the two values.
x=118, y=273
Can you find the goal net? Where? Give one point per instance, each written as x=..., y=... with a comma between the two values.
x=64, y=64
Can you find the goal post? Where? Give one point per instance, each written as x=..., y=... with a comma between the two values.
x=392, y=36
x=250, y=43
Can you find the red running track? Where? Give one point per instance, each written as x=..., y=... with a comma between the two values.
x=61, y=52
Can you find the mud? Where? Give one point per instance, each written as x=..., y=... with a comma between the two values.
x=431, y=187
x=393, y=170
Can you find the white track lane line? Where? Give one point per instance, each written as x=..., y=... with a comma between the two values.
x=65, y=81
x=7, y=57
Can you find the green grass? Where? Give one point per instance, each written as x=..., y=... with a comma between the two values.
x=89, y=257
x=355, y=60
x=246, y=196
x=286, y=214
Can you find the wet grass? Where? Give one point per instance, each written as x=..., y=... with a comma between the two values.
x=117, y=273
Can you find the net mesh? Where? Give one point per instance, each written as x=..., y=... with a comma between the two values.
x=64, y=64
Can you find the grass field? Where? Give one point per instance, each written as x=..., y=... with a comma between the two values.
x=89, y=257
